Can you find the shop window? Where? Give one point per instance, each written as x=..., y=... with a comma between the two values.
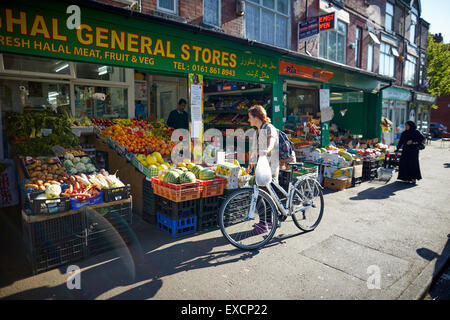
x=410, y=70
x=267, y=21
x=301, y=101
x=389, y=17
x=87, y=103
x=38, y=65
x=167, y=5
x=387, y=62
x=211, y=12
x=100, y=72
x=332, y=43
x=21, y=95
x=422, y=71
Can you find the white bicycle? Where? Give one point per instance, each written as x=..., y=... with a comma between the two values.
x=249, y=216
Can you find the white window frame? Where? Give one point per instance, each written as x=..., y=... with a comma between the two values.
x=358, y=47
x=389, y=55
x=413, y=29
x=175, y=6
x=219, y=25
x=370, y=62
x=326, y=33
x=391, y=27
x=411, y=62
x=261, y=7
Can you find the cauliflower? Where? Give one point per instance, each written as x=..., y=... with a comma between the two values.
x=76, y=160
x=80, y=167
x=85, y=160
x=52, y=191
x=69, y=156
x=90, y=168
x=68, y=163
x=73, y=170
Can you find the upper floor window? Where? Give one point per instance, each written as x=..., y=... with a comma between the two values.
x=167, y=5
x=412, y=29
x=387, y=60
x=211, y=12
x=389, y=17
x=370, y=57
x=268, y=21
x=422, y=70
x=332, y=43
x=410, y=70
x=358, y=47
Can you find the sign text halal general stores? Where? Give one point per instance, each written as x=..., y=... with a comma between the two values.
x=45, y=34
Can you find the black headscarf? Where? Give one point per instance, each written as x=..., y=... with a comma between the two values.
x=412, y=126
x=411, y=134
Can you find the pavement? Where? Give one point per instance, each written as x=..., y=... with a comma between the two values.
x=375, y=241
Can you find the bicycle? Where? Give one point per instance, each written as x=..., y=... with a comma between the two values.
x=241, y=208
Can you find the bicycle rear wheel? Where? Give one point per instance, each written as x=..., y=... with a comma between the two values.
x=307, y=194
x=241, y=231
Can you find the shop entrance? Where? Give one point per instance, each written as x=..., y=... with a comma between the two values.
x=167, y=92
x=397, y=113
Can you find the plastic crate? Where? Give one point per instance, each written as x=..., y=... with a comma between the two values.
x=46, y=206
x=77, y=204
x=176, y=210
x=116, y=194
x=356, y=181
x=108, y=228
x=208, y=213
x=149, y=202
x=212, y=188
x=177, y=228
x=176, y=193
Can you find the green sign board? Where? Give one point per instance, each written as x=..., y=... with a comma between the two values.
x=44, y=29
x=325, y=134
x=396, y=94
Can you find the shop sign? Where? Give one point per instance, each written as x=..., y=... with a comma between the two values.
x=327, y=22
x=396, y=94
x=295, y=70
x=425, y=97
x=111, y=39
x=308, y=29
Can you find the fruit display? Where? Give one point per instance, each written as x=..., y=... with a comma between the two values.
x=123, y=122
x=313, y=128
x=81, y=122
x=74, y=152
x=153, y=161
x=102, y=122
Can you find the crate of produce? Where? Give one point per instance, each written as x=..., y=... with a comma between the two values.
x=337, y=184
x=54, y=241
x=116, y=194
x=77, y=204
x=176, y=192
x=36, y=206
x=148, y=172
x=176, y=210
x=208, y=213
x=177, y=228
x=108, y=227
x=212, y=188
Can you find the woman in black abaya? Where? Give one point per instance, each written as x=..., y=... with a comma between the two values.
x=409, y=168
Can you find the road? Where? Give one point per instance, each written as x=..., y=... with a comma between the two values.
x=376, y=241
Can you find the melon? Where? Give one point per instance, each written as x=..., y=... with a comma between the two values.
x=196, y=170
x=206, y=174
x=171, y=177
x=184, y=169
x=178, y=170
x=187, y=177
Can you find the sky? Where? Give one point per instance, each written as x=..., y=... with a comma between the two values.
x=436, y=13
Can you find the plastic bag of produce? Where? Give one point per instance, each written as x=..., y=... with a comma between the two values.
x=263, y=173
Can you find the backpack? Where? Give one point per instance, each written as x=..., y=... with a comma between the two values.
x=285, y=146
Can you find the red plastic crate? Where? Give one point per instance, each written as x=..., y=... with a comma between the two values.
x=214, y=187
x=176, y=192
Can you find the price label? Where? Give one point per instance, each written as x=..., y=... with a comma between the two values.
x=141, y=167
x=46, y=132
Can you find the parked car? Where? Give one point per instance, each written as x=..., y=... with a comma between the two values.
x=436, y=129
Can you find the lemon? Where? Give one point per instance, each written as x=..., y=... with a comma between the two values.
x=161, y=167
x=158, y=157
x=181, y=165
x=151, y=160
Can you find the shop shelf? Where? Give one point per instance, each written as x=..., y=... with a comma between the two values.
x=108, y=228
x=45, y=206
x=212, y=188
x=176, y=210
x=177, y=228
x=116, y=194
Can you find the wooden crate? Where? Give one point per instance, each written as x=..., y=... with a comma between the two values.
x=337, y=184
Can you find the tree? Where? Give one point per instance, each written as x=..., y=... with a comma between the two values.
x=438, y=71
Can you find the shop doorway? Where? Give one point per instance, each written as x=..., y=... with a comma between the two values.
x=397, y=113
x=169, y=90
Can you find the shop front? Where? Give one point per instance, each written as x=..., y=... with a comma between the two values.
x=422, y=106
x=395, y=109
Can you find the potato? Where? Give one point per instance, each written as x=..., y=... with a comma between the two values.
x=41, y=188
x=54, y=182
x=44, y=167
x=35, y=174
x=47, y=184
x=32, y=186
x=40, y=182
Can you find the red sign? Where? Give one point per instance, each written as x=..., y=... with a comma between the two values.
x=295, y=70
x=327, y=22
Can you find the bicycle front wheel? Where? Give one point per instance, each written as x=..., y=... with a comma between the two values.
x=242, y=230
x=307, y=205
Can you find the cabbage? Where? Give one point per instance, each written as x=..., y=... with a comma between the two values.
x=68, y=156
x=73, y=170
x=52, y=191
x=76, y=160
x=80, y=167
x=90, y=168
x=85, y=160
x=68, y=163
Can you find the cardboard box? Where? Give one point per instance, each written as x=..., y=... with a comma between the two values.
x=336, y=172
x=337, y=184
x=357, y=171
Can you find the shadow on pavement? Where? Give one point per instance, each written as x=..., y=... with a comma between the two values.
x=442, y=259
x=383, y=192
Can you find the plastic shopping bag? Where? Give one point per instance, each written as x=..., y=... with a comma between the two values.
x=263, y=173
